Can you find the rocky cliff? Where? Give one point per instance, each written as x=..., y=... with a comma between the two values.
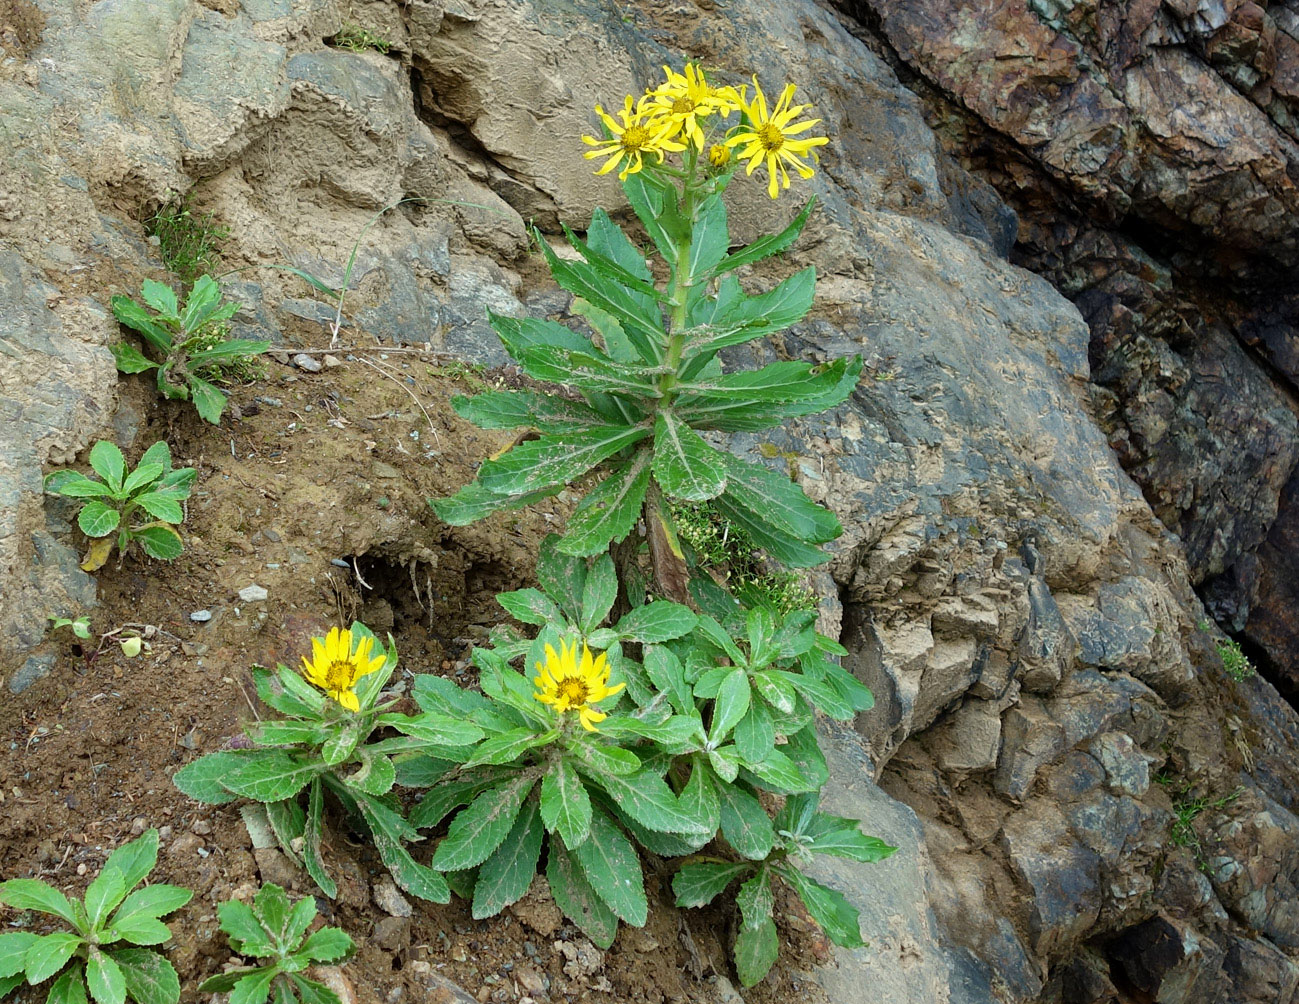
x=1060, y=235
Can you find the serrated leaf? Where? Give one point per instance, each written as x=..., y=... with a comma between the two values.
x=505, y=877
x=828, y=907
x=270, y=775
x=311, y=835
x=647, y=799
x=710, y=238
x=530, y=606
x=699, y=798
x=230, y=351
x=575, y=897
x=778, y=544
x=134, y=316
x=312, y=991
x=109, y=464
x=756, y=900
x=755, y=735
x=376, y=775
x=655, y=203
x=609, y=511
x=562, y=576
x=13, y=952
x=598, y=593
x=440, y=800
x=768, y=245
x=73, y=484
x=597, y=756
x=510, y=409
x=730, y=705
x=48, y=954
x=105, y=891
x=152, y=901
x=97, y=519
x=779, y=773
x=208, y=399
x=159, y=541
x=160, y=297
x=254, y=988
x=749, y=317
x=657, y=621
x=684, y=465
x=474, y=502
x=776, y=689
x=142, y=475
x=551, y=460
x=201, y=780
x=479, y=829
x=565, y=805
x=852, y=843
x=161, y=506
x=388, y=829
x=69, y=988
x=29, y=894
x=203, y=300
x=612, y=867
x=245, y=931
x=509, y=746
x=745, y=824
x=329, y=944
x=756, y=952
x=699, y=883
x=150, y=979
x=224, y=982
x=666, y=673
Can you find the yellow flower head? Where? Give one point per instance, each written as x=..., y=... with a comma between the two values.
x=769, y=137
x=566, y=685
x=719, y=157
x=335, y=667
x=632, y=140
x=686, y=99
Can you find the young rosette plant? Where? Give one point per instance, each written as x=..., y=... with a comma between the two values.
x=102, y=953
x=274, y=931
x=323, y=743
x=647, y=384
x=798, y=830
x=117, y=499
x=190, y=341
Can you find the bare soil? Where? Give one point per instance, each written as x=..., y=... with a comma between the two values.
x=315, y=487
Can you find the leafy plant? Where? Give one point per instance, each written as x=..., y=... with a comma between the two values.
x=188, y=241
x=1235, y=663
x=357, y=39
x=117, y=497
x=648, y=383
x=190, y=339
x=89, y=956
x=80, y=625
x=274, y=930
x=798, y=830
x=323, y=744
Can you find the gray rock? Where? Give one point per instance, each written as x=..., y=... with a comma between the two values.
x=253, y=594
x=37, y=667
x=200, y=616
x=309, y=363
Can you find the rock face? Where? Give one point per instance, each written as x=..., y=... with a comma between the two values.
x=1102, y=812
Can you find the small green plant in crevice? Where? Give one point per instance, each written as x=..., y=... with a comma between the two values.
x=191, y=341
x=1187, y=809
x=115, y=502
x=773, y=849
x=357, y=39
x=92, y=955
x=725, y=550
x=189, y=242
x=80, y=625
x=274, y=931
x=1235, y=663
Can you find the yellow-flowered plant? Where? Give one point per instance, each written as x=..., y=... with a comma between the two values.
x=338, y=661
x=567, y=684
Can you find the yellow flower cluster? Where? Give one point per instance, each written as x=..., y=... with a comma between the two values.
x=567, y=684
x=676, y=115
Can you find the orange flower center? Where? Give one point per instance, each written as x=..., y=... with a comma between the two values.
x=339, y=676
x=771, y=138
x=573, y=690
x=635, y=138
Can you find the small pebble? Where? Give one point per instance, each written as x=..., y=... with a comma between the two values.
x=305, y=362
x=201, y=826
x=271, y=402
x=332, y=361
x=137, y=825
x=201, y=616
x=253, y=594
x=339, y=562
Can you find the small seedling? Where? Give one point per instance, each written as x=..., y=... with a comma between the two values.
x=274, y=931
x=191, y=339
x=80, y=625
x=357, y=39
x=188, y=241
x=90, y=958
x=116, y=501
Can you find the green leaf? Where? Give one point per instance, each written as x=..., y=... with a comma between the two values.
x=105, y=979
x=109, y=464
x=598, y=593
x=575, y=897
x=159, y=541
x=725, y=760
x=388, y=829
x=134, y=316
x=665, y=672
x=776, y=689
x=73, y=484
x=699, y=883
x=246, y=933
x=97, y=520
x=518, y=334
x=505, y=877
x=254, y=988
x=565, y=805
x=435, y=729
x=756, y=952
x=50, y=953
x=139, y=930
x=69, y=988
x=271, y=775
x=311, y=859
x=509, y=746
x=655, y=203
x=329, y=944
x=658, y=621
x=745, y=824
x=203, y=300
x=376, y=775
x=479, y=829
x=530, y=606
x=13, y=952
x=129, y=359
x=850, y=842
x=600, y=757
x=779, y=773
x=511, y=409
x=778, y=544
x=230, y=351
x=29, y=894
x=552, y=460
x=161, y=298
x=699, y=798
x=755, y=734
x=756, y=900
x=711, y=237
x=686, y=466
x=224, y=982
x=133, y=861
x=765, y=247
x=591, y=370
x=311, y=991
x=562, y=576
x=440, y=800
x=646, y=798
x=609, y=511
x=612, y=867
x=473, y=502
x=751, y=317
x=730, y=705
x=207, y=398
x=201, y=780
x=829, y=908
x=161, y=506
x=142, y=475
